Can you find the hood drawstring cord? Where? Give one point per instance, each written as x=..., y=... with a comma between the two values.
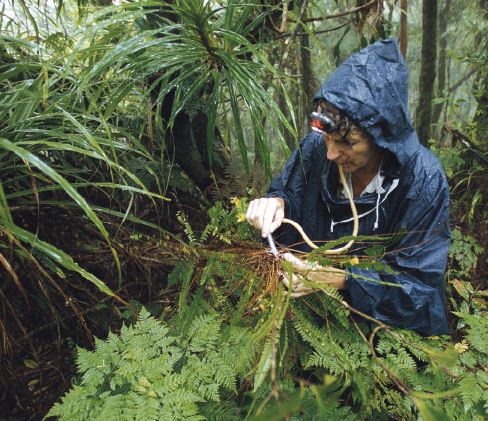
x=375, y=226
x=339, y=250
x=332, y=223
x=393, y=186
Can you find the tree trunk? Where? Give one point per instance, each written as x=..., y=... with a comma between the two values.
x=481, y=115
x=423, y=117
x=480, y=88
x=404, y=27
x=442, y=63
x=182, y=143
x=308, y=82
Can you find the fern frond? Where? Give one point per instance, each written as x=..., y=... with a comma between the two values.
x=221, y=411
x=187, y=228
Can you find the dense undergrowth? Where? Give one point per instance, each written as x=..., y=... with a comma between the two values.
x=235, y=346
x=115, y=133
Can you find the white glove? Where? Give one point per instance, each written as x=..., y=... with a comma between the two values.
x=300, y=265
x=296, y=285
x=314, y=272
x=266, y=214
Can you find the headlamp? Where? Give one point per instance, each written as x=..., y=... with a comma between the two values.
x=327, y=119
x=322, y=123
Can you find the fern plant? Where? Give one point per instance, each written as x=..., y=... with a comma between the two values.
x=232, y=350
x=464, y=251
x=221, y=226
x=152, y=372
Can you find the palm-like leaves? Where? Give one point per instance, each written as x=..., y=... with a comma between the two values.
x=204, y=56
x=49, y=142
x=42, y=142
x=74, y=120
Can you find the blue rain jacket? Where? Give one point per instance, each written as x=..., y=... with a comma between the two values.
x=371, y=88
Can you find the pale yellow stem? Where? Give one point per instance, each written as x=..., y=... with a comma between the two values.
x=355, y=220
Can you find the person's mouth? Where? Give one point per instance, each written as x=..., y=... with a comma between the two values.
x=346, y=166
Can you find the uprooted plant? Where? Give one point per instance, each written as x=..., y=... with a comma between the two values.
x=236, y=345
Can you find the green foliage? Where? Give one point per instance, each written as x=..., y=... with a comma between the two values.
x=469, y=372
x=464, y=251
x=196, y=53
x=57, y=152
x=304, y=359
x=222, y=226
x=153, y=371
x=450, y=159
x=84, y=124
x=87, y=108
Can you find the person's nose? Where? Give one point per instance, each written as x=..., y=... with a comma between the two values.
x=333, y=151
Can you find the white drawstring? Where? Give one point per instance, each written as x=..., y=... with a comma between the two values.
x=393, y=186
x=375, y=226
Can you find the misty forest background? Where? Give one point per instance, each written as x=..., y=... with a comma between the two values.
x=132, y=135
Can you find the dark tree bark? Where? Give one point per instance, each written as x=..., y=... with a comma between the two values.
x=480, y=86
x=423, y=116
x=186, y=143
x=481, y=115
x=308, y=81
x=442, y=62
x=403, y=27
x=309, y=84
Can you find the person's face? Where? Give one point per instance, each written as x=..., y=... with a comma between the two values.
x=354, y=151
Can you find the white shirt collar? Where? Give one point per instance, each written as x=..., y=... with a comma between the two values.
x=374, y=186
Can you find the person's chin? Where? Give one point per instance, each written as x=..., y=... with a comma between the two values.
x=348, y=169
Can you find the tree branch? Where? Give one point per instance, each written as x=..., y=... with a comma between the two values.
x=462, y=80
x=337, y=15
x=467, y=143
x=323, y=31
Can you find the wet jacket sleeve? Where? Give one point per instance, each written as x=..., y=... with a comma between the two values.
x=419, y=260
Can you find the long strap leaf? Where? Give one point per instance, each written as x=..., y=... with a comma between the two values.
x=58, y=256
x=68, y=188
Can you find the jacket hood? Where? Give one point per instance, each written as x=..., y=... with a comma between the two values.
x=371, y=87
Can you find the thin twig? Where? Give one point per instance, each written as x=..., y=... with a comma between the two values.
x=335, y=28
x=371, y=340
x=398, y=382
x=405, y=388
x=462, y=80
x=284, y=19
x=337, y=15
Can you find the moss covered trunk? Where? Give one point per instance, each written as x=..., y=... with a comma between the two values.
x=423, y=116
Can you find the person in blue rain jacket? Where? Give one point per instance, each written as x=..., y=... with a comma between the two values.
x=399, y=188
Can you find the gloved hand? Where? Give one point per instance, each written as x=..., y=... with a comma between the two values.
x=266, y=214
x=296, y=285
x=313, y=272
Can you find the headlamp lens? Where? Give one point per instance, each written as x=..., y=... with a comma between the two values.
x=327, y=119
x=322, y=123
